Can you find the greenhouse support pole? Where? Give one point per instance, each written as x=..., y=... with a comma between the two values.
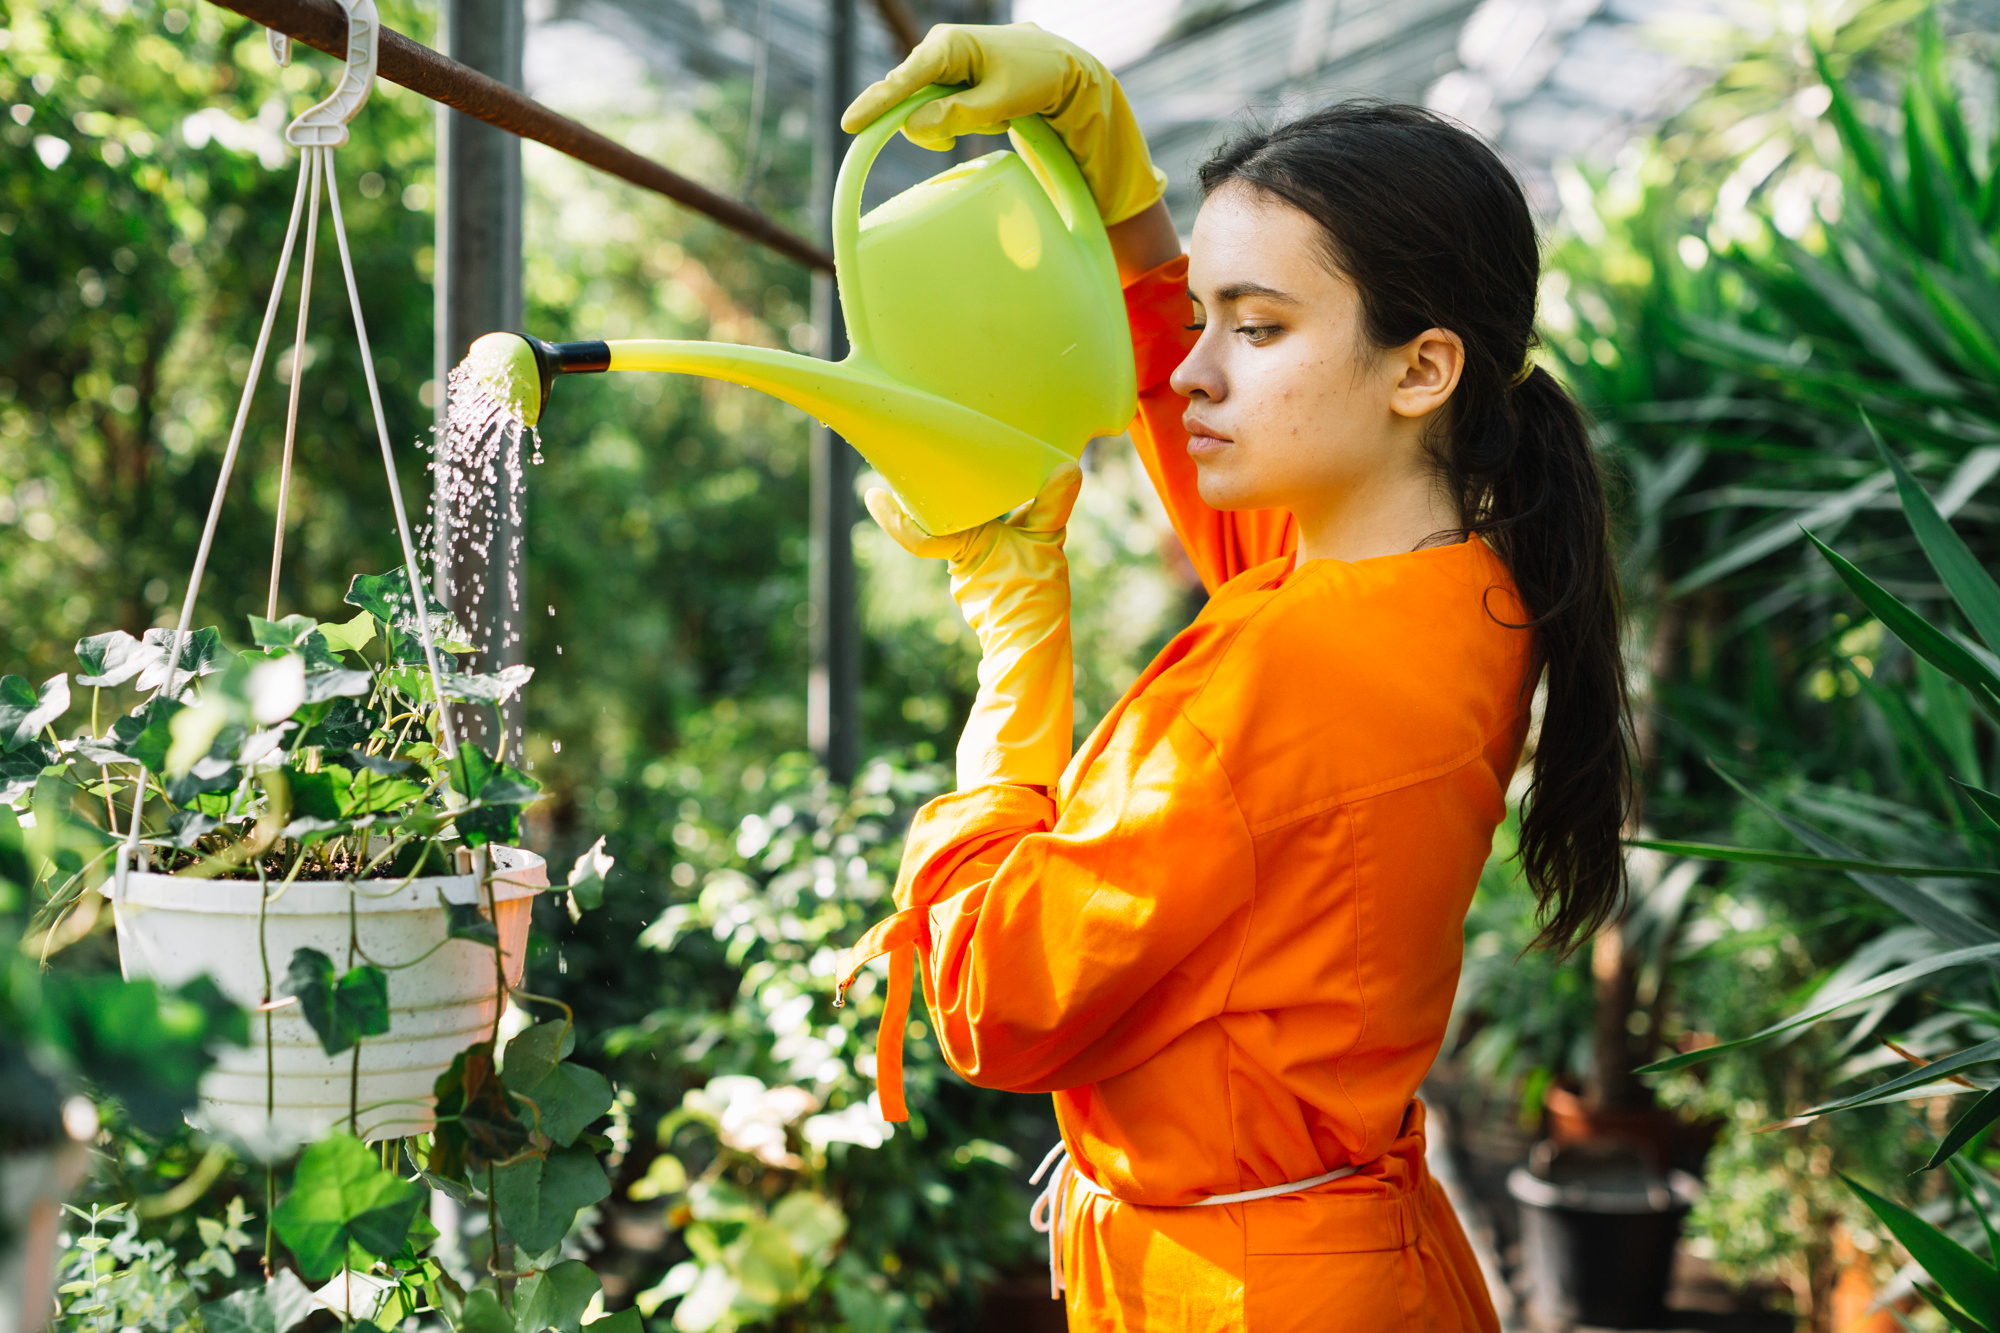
x=833, y=689
x=478, y=290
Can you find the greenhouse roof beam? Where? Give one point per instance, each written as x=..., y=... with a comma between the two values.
x=321, y=24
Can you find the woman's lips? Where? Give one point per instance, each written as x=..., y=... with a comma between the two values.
x=1202, y=441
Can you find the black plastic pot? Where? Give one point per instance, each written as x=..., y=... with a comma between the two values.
x=1598, y=1229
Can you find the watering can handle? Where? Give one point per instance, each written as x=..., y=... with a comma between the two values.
x=1049, y=158
x=324, y=124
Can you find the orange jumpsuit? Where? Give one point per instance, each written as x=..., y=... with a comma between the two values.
x=1228, y=942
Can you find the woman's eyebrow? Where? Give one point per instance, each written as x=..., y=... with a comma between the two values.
x=1236, y=291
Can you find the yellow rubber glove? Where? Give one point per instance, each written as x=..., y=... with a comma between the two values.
x=1010, y=579
x=1018, y=70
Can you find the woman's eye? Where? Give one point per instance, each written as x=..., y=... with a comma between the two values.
x=1257, y=334
x=1194, y=328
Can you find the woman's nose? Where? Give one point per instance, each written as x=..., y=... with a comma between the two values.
x=1198, y=374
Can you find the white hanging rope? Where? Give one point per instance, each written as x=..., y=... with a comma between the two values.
x=130, y=852
x=316, y=133
x=417, y=585
x=309, y=165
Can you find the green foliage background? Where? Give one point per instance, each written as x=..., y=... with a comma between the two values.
x=144, y=188
x=1723, y=297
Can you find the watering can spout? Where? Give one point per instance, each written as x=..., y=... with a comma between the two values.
x=948, y=461
x=519, y=370
x=989, y=335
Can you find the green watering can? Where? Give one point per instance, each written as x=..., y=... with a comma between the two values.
x=988, y=328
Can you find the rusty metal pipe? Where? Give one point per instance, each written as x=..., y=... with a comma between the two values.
x=321, y=24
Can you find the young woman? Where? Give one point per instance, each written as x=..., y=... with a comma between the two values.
x=1226, y=935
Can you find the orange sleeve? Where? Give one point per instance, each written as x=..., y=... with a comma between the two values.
x=1220, y=545
x=1059, y=951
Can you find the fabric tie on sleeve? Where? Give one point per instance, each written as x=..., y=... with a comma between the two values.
x=896, y=936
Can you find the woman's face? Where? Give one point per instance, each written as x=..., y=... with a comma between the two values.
x=1290, y=406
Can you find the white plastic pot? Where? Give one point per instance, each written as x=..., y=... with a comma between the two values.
x=173, y=930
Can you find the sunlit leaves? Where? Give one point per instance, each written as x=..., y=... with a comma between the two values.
x=352, y=635
x=586, y=879
x=349, y=793
x=24, y=711
x=112, y=658
x=341, y=1195
x=497, y=788
x=387, y=598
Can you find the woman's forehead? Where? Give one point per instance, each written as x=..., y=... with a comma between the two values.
x=1247, y=244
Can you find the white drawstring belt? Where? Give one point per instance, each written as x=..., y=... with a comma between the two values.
x=1046, y=1214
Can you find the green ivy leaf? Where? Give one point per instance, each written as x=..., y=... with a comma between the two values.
x=185, y=826
x=340, y=1011
x=202, y=654
x=497, y=824
x=313, y=794
x=566, y=1096
x=205, y=775
x=482, y=1313
x=535, y=1051
x=147, y=735
x=352, y=636
x=20, y=768
x=387, y=598
x=626, y=1320
x=476, y=1123
x=341, y=1196
x=586, y=877
x=464, y=921
x=555, y=1298
x=345, y=725
x=278, y=1305
x=24, y=711
x=568, y=1100
x=289, y=634
x=471, y=769
x=113, y=658
x=538, y=1197
x=336, y=682
x=338, y=793
x=142, y=1045
x=415, y=681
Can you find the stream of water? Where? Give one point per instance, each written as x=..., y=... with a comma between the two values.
x=478, y=516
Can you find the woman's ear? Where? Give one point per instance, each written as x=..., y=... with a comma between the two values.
x=1430, y=363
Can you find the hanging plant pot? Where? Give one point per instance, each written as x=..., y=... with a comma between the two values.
x=1599, y=1225
x=443, y=992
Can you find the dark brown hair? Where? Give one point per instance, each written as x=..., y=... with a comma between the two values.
x=1424, y=219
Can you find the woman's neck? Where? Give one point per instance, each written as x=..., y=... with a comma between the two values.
x=1381, y=516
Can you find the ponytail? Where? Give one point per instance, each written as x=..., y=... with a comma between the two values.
x=1545, y=514
x=1434, y=231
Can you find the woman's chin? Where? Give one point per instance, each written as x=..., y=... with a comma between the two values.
x=1221, y=490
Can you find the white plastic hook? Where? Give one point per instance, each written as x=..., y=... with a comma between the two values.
x=324, y=124
x=281, y=46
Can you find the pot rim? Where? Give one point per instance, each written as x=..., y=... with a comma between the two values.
x=516, y=871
